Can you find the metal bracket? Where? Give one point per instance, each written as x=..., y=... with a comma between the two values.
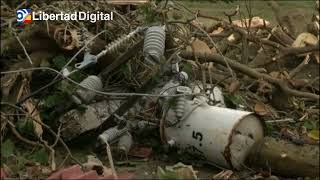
x=87, y=60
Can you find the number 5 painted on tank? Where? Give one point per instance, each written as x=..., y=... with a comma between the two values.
x=197, y=135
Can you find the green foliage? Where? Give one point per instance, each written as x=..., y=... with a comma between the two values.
x=77, y=76
x=232, y=100
x=269, y=129
x=311, y=125
x=125, y=70
x=61, y=95
x=25, y=126
x=59, y=61
x=7, y=148
x=162, y=174
x=54, y=100
x=82, y=108
x=41, y=156
x=17, y=163
x=148, y=14
x=64, y=90
x=156, y=78
x=187, y=67
x=177, y=171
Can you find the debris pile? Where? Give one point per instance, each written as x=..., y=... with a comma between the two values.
x=153, y=85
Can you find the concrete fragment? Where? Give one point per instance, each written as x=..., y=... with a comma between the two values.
x=76, y=122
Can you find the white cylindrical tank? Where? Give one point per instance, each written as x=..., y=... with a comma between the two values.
x=220, y=135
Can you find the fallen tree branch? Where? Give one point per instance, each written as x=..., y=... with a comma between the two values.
x=296, y=70
x=250, y=37
x=285, y=158
x=24, y=48
x=48, y=128
x=20, y=137
x=299, y=50
x=250, y=72
x=214, y=44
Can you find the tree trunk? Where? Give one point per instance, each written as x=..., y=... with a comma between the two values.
x=285, y=158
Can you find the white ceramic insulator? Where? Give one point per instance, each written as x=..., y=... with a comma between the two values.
x=154, y=44
x=91, y=82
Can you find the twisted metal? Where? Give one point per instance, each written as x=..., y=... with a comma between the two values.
x=116, y=44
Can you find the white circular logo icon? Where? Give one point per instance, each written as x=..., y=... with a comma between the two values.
x=21, y=14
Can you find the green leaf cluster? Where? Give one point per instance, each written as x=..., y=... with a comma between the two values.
x=232, y=100
x=148, y=14
x=25, y=126
x=59, y=61
x=7, y=148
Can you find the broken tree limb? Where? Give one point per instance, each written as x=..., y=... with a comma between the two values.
x=285, y=158
x=248, y=71
x=299, y=50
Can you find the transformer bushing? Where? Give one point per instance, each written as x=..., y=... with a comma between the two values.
x=85, y=95
x=154, y=44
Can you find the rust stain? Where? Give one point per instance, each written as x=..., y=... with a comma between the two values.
x=227, y=150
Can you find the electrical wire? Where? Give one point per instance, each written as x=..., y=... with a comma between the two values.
x=55, y=79
x=98, y=92
x=81, y=49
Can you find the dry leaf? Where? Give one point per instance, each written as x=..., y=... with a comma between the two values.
x=94, y=163
x=199, y=46
x=225, y=174
x=261, y=109
x=7, y=82
x=287, y=133
x=256, y=22
x=177, y=171
x=274, y=74
x=314, y=134
x=32, y=110
x=67, y=39
x=305, y=39
x=234, y=86
x=264, y=87
x=217, y=31
x=232, y=38
x=214, y=50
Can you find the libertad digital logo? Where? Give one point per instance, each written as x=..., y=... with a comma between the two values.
x=24, y=16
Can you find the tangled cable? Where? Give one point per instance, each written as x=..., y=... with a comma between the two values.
x=98, y=92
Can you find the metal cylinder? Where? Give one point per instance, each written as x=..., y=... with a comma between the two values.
x=222, y=136
x=111, y=135
x=92, y=82
x=154, y=44
x=125, y=142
